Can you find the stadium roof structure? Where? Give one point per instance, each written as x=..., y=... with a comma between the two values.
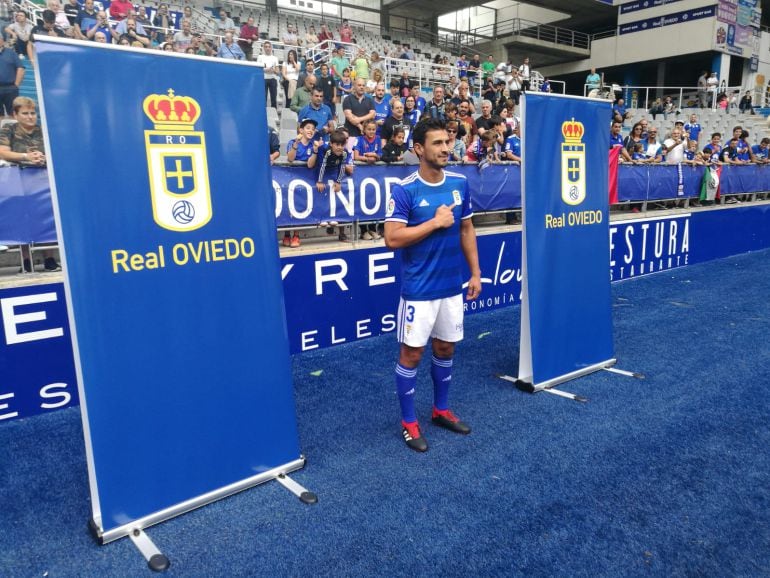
x=583, y=15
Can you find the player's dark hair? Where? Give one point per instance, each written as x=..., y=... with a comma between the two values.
x=424, y=127
x=713, y=134
x=397, y=130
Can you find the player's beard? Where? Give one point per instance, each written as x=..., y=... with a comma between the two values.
x=438, y=161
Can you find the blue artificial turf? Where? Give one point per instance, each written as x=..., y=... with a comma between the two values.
x=666, y=476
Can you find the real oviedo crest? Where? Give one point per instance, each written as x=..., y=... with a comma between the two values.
x=176, y=162
x=573, y=163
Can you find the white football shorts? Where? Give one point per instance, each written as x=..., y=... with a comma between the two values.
x=420, y=320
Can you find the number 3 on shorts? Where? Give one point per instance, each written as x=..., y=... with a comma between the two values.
x=410, y=313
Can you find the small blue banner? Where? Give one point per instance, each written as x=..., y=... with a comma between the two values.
x=566, y=310
x=172, y=274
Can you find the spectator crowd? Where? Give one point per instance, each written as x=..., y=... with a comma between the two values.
x=351, y=107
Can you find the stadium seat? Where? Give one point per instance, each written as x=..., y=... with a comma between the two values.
x=288, y=123
x=287, y=113
x=285, y=136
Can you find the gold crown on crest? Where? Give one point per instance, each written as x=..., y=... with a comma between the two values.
x=171, y=111
x=572, y=130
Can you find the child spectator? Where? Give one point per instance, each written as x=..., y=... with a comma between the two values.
x=722, y=102
x=638, y=155
x=512, y=149
x=691, y=155
x=368, y=148
x=331, y=161
x=345, y=85
x=711, y=151
x=462, y=66
x=484, y=150
x=303, y=147
x=744, y=149
x=393, y=152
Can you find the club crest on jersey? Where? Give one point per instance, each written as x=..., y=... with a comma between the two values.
x=457, y=198
x=573, y=163
x=176, y=163
x=391, y=207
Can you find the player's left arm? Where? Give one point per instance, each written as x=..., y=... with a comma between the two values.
x=471, y=252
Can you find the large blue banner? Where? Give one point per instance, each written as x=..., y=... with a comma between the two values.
x=172, y=276
x=566, y=311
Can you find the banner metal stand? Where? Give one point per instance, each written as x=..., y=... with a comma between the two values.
x=549, y=386
x=156, y=560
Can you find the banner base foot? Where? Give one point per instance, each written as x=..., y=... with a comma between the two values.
x=528, y=387
x=93, y=527
x=156, y=560
x=566, y=394
x=519, y=384
x=305, y=496
x=624, y=372
x=524, y=386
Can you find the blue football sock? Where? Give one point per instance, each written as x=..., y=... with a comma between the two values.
x=441, y=372
x=405, y=380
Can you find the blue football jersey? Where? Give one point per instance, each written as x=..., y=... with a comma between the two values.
x=431, y=268
x=381, y=112
x=304, y=151
x=513, y=144
x=693, y=129
x=759, y=152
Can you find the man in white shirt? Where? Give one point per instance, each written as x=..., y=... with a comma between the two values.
x=269, y=61
x=712, y=82
x=524, y=75
x=225, y=22
x=183, y=38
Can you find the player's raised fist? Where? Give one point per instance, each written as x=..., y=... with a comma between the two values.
x=444, y=216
